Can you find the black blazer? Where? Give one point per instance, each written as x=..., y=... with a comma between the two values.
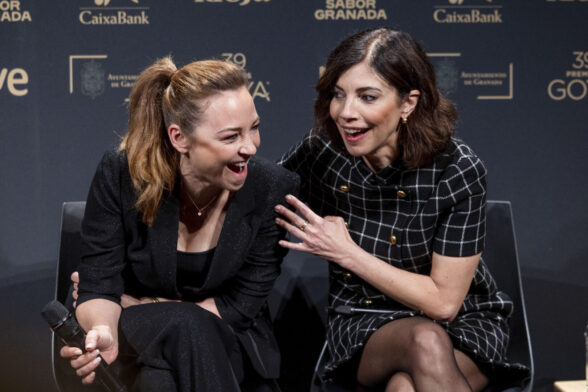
x=121, y=254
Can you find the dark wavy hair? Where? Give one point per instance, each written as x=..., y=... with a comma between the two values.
x=401, y=61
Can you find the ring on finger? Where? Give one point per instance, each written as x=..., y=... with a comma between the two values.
x=302, y=227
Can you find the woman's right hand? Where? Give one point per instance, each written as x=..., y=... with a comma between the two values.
x=99, y=341
x=126, y=300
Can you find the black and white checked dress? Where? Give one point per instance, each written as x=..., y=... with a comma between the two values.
x=401, y=216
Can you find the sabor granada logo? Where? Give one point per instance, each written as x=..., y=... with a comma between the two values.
x=12, y=11
x=350, y=10
x=101, y=13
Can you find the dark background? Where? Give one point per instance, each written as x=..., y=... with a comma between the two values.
x=532, y=136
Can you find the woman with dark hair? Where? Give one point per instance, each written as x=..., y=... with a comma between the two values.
x=397, y=205
x=180, y=244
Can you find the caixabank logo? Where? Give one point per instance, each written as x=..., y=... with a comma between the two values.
x=119, y=13
x=484, y=84
x=350, y=10
x=91, y=75
x=468, y=12
x=258, y=89
x=13, y=11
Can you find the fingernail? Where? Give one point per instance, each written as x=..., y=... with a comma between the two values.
x=288, y=197
x=277, y=208
x=97, y=360
x=78, y=352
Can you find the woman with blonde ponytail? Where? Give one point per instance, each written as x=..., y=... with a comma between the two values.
x=180, y=243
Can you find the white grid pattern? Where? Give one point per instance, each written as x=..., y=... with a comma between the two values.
x=444, y=210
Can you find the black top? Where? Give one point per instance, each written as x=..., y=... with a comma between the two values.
x=192, y=269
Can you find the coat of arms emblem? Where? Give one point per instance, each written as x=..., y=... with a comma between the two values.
x=92, y=79
x=447, y=76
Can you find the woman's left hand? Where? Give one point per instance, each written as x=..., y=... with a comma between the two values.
x=325, y=237
x=75, y=279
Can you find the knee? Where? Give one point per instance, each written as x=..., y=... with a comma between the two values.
x=192, y=320
x=187, y=316
x=400, y=382
x=430, y=345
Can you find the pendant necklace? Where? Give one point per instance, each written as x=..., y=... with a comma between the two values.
x=201, y=210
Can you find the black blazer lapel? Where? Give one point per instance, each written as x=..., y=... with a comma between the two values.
x=163, y=243
x=236, y=236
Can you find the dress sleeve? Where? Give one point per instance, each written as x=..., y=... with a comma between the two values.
x=301, y=159
x=103, y=241
x=244, y=294
x=461, y=230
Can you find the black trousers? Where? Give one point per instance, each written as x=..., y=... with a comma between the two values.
x=175, y=346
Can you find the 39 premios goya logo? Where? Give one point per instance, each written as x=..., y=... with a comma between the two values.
x=12, y=11
x=573, y=84
x=91, y=75
x=114, y=12
x=257, y=88
x=468, y=12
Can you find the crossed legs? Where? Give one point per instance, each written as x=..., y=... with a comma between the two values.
x=179, y=346
x=416, y=354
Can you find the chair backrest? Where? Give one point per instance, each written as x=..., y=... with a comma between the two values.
x=72, y=214
x=501, y=257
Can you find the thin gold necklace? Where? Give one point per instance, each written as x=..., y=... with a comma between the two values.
x=201, y=210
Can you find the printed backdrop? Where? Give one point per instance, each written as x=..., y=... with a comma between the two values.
x=517, y=70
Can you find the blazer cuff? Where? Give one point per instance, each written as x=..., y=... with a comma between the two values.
x=87, y=297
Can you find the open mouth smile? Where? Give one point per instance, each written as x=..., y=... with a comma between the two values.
x=239, y=167
x=354, y=134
